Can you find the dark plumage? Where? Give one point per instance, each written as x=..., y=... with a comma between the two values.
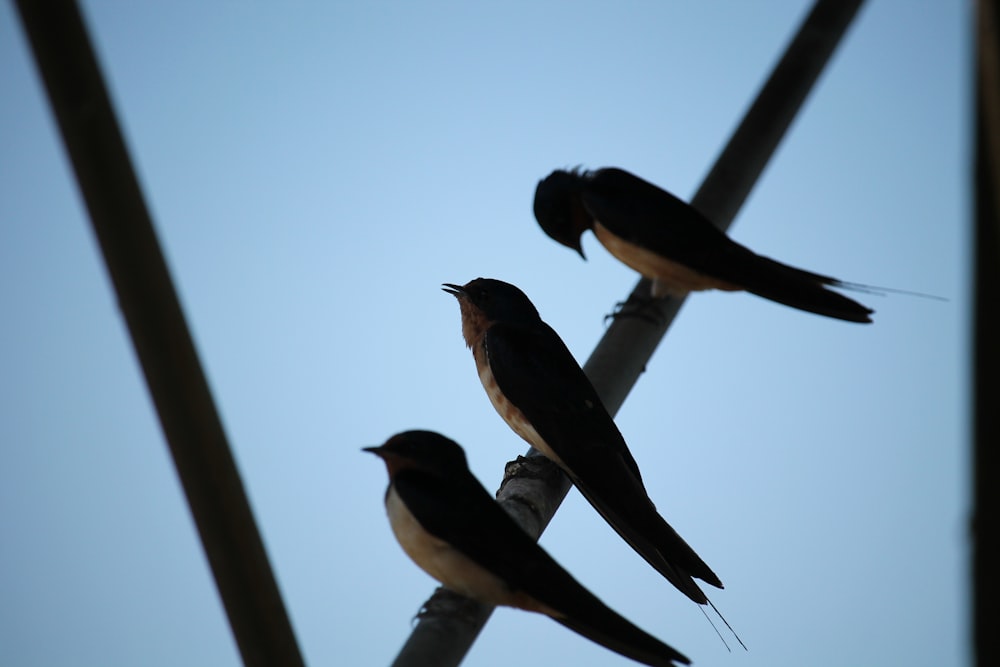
x=453, y=529
x=541, y=392
x=672, y=243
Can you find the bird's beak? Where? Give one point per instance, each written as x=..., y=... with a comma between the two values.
x=394, y=461
x=579, y=249
x=456, y=291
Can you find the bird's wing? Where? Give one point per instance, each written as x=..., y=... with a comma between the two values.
x=462, y=513
x=645, y=215
x=537, y=373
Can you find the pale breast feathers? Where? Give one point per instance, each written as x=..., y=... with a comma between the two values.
x=507, y=410
x=672, y=277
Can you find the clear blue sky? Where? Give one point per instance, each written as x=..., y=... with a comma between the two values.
x=316, y=170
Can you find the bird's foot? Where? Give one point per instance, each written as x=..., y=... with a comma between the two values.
x=640, y=307
x=446, y=603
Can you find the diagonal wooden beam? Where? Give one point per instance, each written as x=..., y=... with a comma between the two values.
x=149, y=303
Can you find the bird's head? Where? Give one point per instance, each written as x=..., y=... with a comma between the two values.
x=559, y=211
x=485, y=300
x=424, y=450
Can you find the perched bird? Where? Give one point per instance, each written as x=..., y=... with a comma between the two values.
x=673, y=244
x=451, y=527
x=541, y=392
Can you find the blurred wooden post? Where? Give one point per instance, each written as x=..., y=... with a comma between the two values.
x=152, y=311
x=986, y=336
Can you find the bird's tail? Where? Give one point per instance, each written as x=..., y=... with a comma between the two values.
x=793, y=287
x=604, y=626
x=636, y=520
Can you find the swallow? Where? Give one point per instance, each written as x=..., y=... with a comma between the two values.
x=674, y=245
x=451, y=527
x=537, y=387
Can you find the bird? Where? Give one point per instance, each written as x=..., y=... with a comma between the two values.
x=451, y=527
x=673, y=244
x=538, y=388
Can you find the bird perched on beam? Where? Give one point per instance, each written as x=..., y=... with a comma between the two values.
x=670, y=242
x=451, y=527
x=536, y=385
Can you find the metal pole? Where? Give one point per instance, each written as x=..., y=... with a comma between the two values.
x=149, y=303
x=450, y=623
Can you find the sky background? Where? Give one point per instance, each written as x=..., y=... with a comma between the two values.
x=316, y=171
